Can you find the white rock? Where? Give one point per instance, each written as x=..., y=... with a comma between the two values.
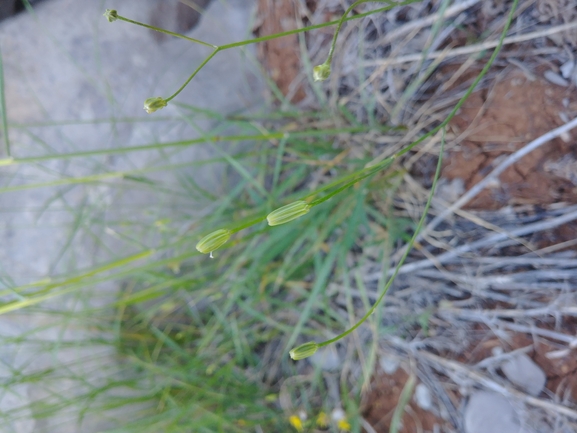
x=555, y=78
x=68, y=63
x=488, y=412
x=389, y=364
x=523, y=372
x=567, y=68
x=423, y=397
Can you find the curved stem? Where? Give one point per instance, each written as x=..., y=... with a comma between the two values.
x=344, y=18
x=471, y=88
x=205, y=61
x=407, y=251
x=264, y=38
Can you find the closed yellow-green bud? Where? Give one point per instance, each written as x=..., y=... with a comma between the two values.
x=321, y=72
x=304, y=350
x=153, y=104
x=111, y=15
x=213, y=241
x=288, y=213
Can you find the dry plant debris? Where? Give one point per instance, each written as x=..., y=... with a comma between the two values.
x=496, y=278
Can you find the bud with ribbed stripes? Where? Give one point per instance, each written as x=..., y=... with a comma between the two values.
x=288, y=213
x=213, y=241
x=304, y=351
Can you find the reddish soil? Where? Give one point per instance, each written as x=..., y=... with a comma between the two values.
x=496, y=123
x=380, y=402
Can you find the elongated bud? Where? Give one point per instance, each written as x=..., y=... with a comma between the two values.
x=213, y=241
x=321, y=72
x=304, y=351
x=288, y=213
x=111, y=15
x=153, y=104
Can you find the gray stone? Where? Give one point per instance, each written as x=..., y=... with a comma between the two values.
x=567, y=68
x=67, y=63
x=489, y=412
x=423, y=397
x=555, y=78
x=523, y=372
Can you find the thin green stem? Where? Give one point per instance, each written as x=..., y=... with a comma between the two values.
x=366, y=172
x=248, y=224
x=158, y=29
x=214, y=139
x=472, y=87
x=205, y=61
x=350, y=183
x=407, y=251
x=3, y=108
x=315, y=26
x=263, y=38
x=344, y=18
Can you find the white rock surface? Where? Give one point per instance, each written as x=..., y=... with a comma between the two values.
x=523, y=372
x=489, y=412
x=67, y=63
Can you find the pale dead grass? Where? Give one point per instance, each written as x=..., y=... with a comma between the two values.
x=475, y=275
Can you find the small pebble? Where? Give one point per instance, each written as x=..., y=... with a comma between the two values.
x=523, y=372
x=489, y=412
x=556, y=79
x=423, y=397
x=567, y=68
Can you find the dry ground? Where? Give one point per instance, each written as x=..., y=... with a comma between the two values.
x=496, y=276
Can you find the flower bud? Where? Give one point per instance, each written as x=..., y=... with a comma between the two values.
x=213, y=241
x=153, y=104
x=321, y=72
x=304, y=351
x=288, y=213
x=111, y=15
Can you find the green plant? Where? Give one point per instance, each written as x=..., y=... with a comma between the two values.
x=204, y=333
x=302, y=206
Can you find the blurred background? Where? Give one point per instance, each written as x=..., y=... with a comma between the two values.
x=111, y=321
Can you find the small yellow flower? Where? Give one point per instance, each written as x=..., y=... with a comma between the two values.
x=344, y=425
x=296, y=422
x=153, y=104
x=323, y=420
